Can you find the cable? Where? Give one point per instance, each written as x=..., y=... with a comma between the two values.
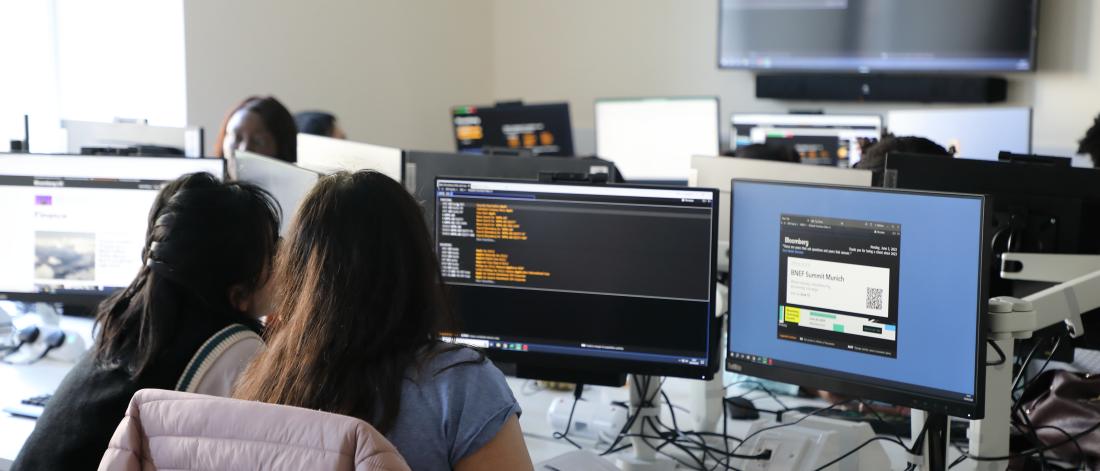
x=758, y=387
x=1000, y=353
x=1032, y=451
x=630, y=419
x=860, y=447
x=577, y=392
x=879, y=417
x=799, y=420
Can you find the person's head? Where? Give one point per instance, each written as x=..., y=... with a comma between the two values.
x=260, y=125
x=1090, y=144
x=874, y=158
x=359, y=296
x=774, y=152
x=319, y=123
x=209, y=250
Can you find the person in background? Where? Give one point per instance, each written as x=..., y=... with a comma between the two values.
x=355, y=330
x=874, y=158
x=1090, y=144
x=773, y=152
x=260, y=125
x=188, y=321
x=319, y=123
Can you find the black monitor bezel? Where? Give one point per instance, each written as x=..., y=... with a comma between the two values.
x=889, y=71
x=617, y=366
x=850, y=385
x=555, y=104
x=86, y=302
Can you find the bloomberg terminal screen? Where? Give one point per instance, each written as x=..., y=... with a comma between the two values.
x=621, y=273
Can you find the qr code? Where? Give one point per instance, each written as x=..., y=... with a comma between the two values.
x=874, y=298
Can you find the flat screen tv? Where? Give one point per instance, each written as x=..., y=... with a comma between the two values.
x=868, y=36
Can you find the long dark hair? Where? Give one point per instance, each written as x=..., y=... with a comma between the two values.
x=278, y=120
x=359, y=302
x=204, y=238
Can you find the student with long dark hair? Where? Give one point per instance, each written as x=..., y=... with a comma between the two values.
x=188, y=321
x=355, y=330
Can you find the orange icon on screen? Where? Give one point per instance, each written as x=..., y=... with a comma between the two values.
x=513, y=141
x=469, y=133
x=546, y=138
x=529, y=140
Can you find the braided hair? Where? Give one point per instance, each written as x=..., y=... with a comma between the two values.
x=204, y=239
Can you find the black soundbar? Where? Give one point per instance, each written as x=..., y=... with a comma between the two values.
x=855, y=87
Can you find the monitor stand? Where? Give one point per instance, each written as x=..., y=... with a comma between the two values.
x=645, y=403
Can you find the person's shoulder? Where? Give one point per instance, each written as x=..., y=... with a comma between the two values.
x=456, y=360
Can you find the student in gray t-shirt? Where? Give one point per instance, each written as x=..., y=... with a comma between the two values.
x=355, y=329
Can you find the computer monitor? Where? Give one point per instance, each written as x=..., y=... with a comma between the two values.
x=538, y=129
x=869, y=293
x=566, y=280
x=716, y=172
x=425, y=167
x=288, y=183
x=974, y=133
x=75, y=225
x=653, y=139
x=129, y=137
x=327, y=155
x=1036, y=207
x=818, y=138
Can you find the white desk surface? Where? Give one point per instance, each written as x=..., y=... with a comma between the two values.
x=542, y=445
x=19, y=382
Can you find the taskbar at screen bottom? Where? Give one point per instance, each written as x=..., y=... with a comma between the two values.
x=581, y=350
x=856, y=386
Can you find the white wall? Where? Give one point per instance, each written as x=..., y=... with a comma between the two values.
x=580, y=50
x=389, y=69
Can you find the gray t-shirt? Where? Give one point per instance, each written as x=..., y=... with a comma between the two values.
x=449, y=413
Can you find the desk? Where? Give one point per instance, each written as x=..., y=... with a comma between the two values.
x=19, y=382
x=542, y=446
x=23, y=381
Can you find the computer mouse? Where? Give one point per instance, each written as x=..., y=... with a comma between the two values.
x=739, y=408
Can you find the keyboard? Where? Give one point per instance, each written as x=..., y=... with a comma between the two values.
x=30, y=407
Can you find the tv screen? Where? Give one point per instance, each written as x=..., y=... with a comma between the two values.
x=878, y=35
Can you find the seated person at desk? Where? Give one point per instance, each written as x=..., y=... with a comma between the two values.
x=319, y=123
x=1090, y=144
x=874, y=158
x=188, y=321
x=260, y=125
x=354, y=330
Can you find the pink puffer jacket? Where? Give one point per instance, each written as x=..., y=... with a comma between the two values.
x=180, y=431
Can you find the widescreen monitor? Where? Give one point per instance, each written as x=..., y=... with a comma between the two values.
x=927, y=36
x=288, y=183
x=327, y=155
x=870, y=293
x=537, y=129
x=653, y=139
x=817, y=138
x=582, y=278
x=75, y=225
x=716, y=172
x=425, y=167
x=1035, y=207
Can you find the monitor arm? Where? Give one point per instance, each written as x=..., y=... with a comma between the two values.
x=1012, y=318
